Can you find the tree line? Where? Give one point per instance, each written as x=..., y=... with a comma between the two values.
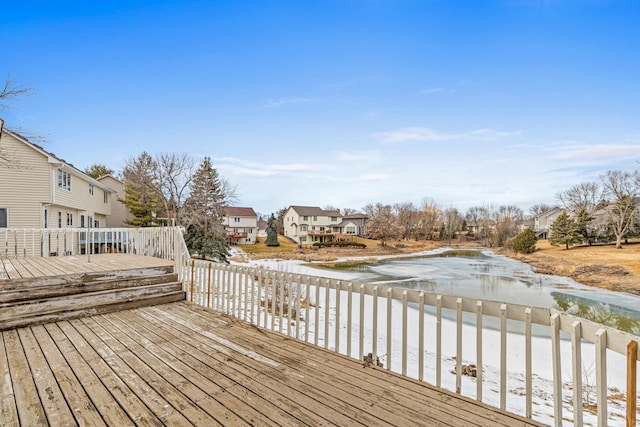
x=601, y=210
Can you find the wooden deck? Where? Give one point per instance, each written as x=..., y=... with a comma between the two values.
x=12, y=268
x=180, y=364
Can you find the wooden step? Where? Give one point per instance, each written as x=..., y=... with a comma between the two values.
x=15, y=284
x=83, y=301
x=38, y=319
x=49, y=290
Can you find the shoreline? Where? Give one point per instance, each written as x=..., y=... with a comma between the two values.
x=585, y=265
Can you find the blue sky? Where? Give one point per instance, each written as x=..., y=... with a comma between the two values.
x=338, y=102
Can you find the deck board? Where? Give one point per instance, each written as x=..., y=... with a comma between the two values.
x=181, y=364
x=12, y=268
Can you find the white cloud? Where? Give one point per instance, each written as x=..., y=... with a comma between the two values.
x=279, y=102
x=424, y=134
x=245, y=167
x=596, y=152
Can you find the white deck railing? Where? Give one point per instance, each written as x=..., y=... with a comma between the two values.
x=44, y=242
x=403, y=328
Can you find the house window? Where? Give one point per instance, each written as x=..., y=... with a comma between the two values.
x=305, y=218
x=106, y=197
x=236, y=219
x=248, y=239
x=46, y=218
x=248, y=230
x=91, y=189
x=303, y=228
x=96, y=224
x=69, y=220
x=59, y=219
x=303, y=238
x=315, y=218
x=351, y=230
x=64, y=180
x=334, y=218
x=4, y=218
x=81, y=221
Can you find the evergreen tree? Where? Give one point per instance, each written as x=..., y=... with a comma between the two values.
x=142, y=198
x=98, y=170
x=583, y=222
x=564, y=231
x=204, y=212
x=142, y=205
x=525, y=242
x=272, y=231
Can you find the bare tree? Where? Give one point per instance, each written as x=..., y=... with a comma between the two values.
x=382, y=224
x=452, y=221
x=538, y=209
x=507, y=219
x=349, y=211
x=429, y=219
x=585, y=195
x=174, y=173
x=9, y=92
x=407, y=215
x=622, y=189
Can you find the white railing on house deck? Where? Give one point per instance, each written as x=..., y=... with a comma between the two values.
x=405, y=327
x=44, y=242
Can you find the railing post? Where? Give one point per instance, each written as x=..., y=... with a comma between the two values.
x=458, y=345
x=576, y=352
x=632, y=364
x=557, y=372
x=193, y=269
x=503, y=356
x=601, y=376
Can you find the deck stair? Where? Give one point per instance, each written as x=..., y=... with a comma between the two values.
x=25, y=302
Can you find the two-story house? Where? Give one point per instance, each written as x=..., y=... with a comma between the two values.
x=310, y=224
x=40, y=190
x=119, y=212
x=241, y=225
x=542, y=222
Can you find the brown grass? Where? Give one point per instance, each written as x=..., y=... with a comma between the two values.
x=602, y=266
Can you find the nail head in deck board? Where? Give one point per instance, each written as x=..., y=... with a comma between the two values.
x=30, y=411
x=253, y=376
x=84, y=412
x=51, y=396
x=8, y=410
x=101, y=398
x=256, y=394
x=184, y=364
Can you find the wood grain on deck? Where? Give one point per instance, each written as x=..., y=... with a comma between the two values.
x=12, y=268
x=180, y=364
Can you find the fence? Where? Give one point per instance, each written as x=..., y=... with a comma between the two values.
x=44, y=242
x=399, y=328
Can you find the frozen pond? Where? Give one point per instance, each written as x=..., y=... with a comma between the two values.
x=484, y=275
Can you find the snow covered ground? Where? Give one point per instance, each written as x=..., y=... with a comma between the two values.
x=542, y=410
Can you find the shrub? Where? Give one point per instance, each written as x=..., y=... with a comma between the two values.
x=525, y=242
x=339, y=245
